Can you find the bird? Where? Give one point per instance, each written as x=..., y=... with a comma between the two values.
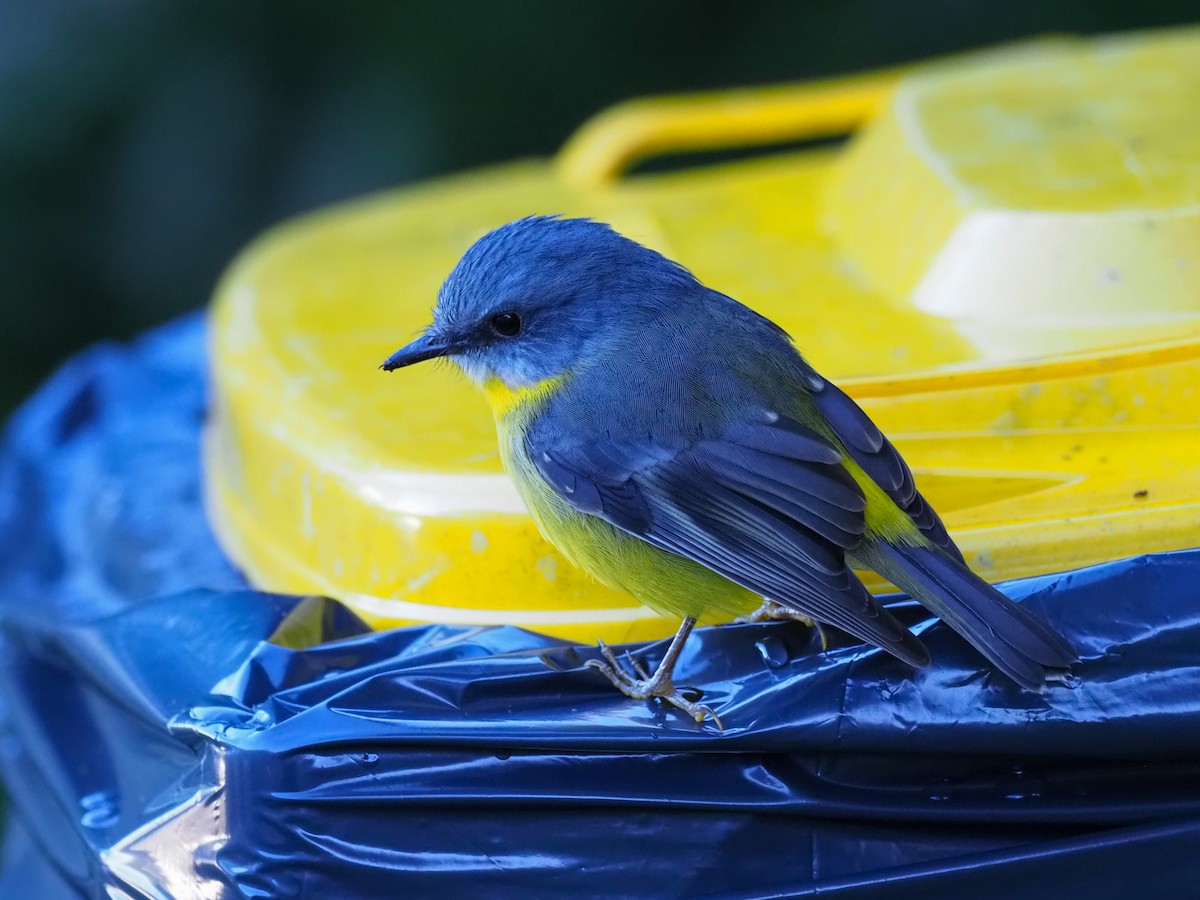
x=676, y=445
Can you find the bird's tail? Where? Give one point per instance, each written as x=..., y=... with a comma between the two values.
x=1016, y=641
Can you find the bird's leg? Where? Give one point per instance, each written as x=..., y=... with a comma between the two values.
x=770, y=611
x=659, y=684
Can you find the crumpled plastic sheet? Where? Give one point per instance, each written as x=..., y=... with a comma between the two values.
x=166, y=731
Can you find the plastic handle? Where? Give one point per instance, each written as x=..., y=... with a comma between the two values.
x=613, y=141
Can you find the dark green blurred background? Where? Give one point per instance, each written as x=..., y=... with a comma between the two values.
x=142, y=143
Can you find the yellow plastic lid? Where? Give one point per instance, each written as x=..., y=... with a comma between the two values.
x=1003, y=267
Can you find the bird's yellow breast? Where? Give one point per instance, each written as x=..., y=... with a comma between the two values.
x=669, y=584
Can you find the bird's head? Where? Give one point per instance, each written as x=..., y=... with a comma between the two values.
x=536, y=297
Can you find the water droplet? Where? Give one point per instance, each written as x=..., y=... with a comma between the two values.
x=940, y=790
x=1019, y=786
x=99, y=810
x=370, y=760
x=503, y=756
x=548, y=567
x=773, y=651
x=479, y=541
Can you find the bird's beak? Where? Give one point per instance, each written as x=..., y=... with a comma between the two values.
x=427, y=346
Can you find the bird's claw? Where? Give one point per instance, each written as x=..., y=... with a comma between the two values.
x=616, y=666
x=770, y=611
x=648, y=687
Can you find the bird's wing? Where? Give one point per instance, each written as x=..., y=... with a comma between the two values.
x=874, y=453
x=768, y=505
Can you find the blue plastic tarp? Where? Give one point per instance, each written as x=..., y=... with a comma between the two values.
x=166, y=731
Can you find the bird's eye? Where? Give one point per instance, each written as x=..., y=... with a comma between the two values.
x=506, y=324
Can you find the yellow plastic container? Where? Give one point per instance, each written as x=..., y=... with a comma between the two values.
x=1003, y=267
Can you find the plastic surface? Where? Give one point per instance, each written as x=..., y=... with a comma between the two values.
x=1003, y=267
x=155, y=743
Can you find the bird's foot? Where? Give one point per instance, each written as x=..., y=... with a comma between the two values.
x=647, y=686
x=770, y=611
